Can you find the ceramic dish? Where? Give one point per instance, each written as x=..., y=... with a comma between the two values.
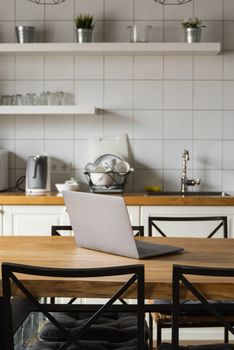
x=108, y=161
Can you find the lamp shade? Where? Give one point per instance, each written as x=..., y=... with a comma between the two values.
x=47, y=2
x=172, y=2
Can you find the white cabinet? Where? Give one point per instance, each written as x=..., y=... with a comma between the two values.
x=134, y=214
x=1, y=220
x=185, y=229
x=36, y=220
x=27, y=220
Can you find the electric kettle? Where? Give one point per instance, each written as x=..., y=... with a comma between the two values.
x=38, y=174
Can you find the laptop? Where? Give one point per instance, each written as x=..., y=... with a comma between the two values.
x=101, y=222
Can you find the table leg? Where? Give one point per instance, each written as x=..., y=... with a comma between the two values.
x=2, y=337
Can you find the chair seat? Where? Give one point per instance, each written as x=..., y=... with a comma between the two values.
x=87, y=345
x=190, y=317
x=168, y=346
x=113, y=327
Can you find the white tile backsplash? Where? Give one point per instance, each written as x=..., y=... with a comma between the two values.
x=118, y=94
x=29, y=127
x=207, y=95
x=147, y=124
x=7, y=68
x=87, y=127
x=26, y=10
x=28, y=67
x=178, y=125
x=89, y=92
x=63, y=130
x=228, y=159
x=207, y=155
x=59, y=67
x=228, y=125
x=164, y=104
x=202, y=9
x=208, y=67
x=177, y=94
x=179, y=68
x=147, y=10
x=7, y=127
x=228, y=10
x=121, y=9
x=120, y=121
x=148, y=67
x=7, y=10
x=147, y=154
x=148, y=94
x=207, y=125
x=118, y=67
x=89, y=67
x=228, y=100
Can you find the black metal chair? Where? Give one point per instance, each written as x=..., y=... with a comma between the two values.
x=163, y=320
x=137, y=230
x=221, y=311
x=126, y=330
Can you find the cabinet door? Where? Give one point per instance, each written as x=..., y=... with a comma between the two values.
x=1, y=219
x=134, y=214
x=30, y=220
x=186, y=229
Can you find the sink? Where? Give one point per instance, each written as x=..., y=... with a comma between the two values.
x=188, y=193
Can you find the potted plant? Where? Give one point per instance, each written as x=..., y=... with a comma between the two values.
x=192, y=29
x=84, y=27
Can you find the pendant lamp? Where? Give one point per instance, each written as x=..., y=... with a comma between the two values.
x=47, y=2
x=172, y=2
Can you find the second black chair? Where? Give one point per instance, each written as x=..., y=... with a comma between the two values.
x=221, y=312
x=219, y=226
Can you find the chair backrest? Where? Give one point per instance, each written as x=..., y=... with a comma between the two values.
x=12, y=276
x=137, y=230
x=158, y=225
x=55, y=229
x=182, y=279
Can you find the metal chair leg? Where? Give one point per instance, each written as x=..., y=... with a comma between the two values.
x=226, y=335
x=159, y=335
x=151, y=332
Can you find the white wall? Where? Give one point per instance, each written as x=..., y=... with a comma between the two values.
x=164, y=104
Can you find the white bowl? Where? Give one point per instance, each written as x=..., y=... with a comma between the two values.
x=67, y=187
x=101, y=179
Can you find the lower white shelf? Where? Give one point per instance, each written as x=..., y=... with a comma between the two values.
x=52, y=109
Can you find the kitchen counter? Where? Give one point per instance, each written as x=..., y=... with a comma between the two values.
x=53, y=198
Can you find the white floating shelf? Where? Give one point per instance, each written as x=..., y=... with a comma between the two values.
x=90, y=110
x=113, y=48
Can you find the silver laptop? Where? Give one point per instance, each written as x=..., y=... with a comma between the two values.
x=101, y=222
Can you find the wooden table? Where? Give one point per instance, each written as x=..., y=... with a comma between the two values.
x=63, y=252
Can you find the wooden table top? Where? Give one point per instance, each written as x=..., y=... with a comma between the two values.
x=63, y=252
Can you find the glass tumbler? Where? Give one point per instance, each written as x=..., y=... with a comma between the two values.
x=139, y=33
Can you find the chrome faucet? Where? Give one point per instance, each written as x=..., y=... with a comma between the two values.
x=184, y=180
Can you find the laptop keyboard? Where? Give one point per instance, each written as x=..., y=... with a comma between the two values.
x=145, y=248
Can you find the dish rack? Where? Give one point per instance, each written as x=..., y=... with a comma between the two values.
x=110, y=181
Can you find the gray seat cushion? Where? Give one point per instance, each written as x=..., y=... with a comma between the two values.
x=87, y=345
x=112, y=327
x=168, y=346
